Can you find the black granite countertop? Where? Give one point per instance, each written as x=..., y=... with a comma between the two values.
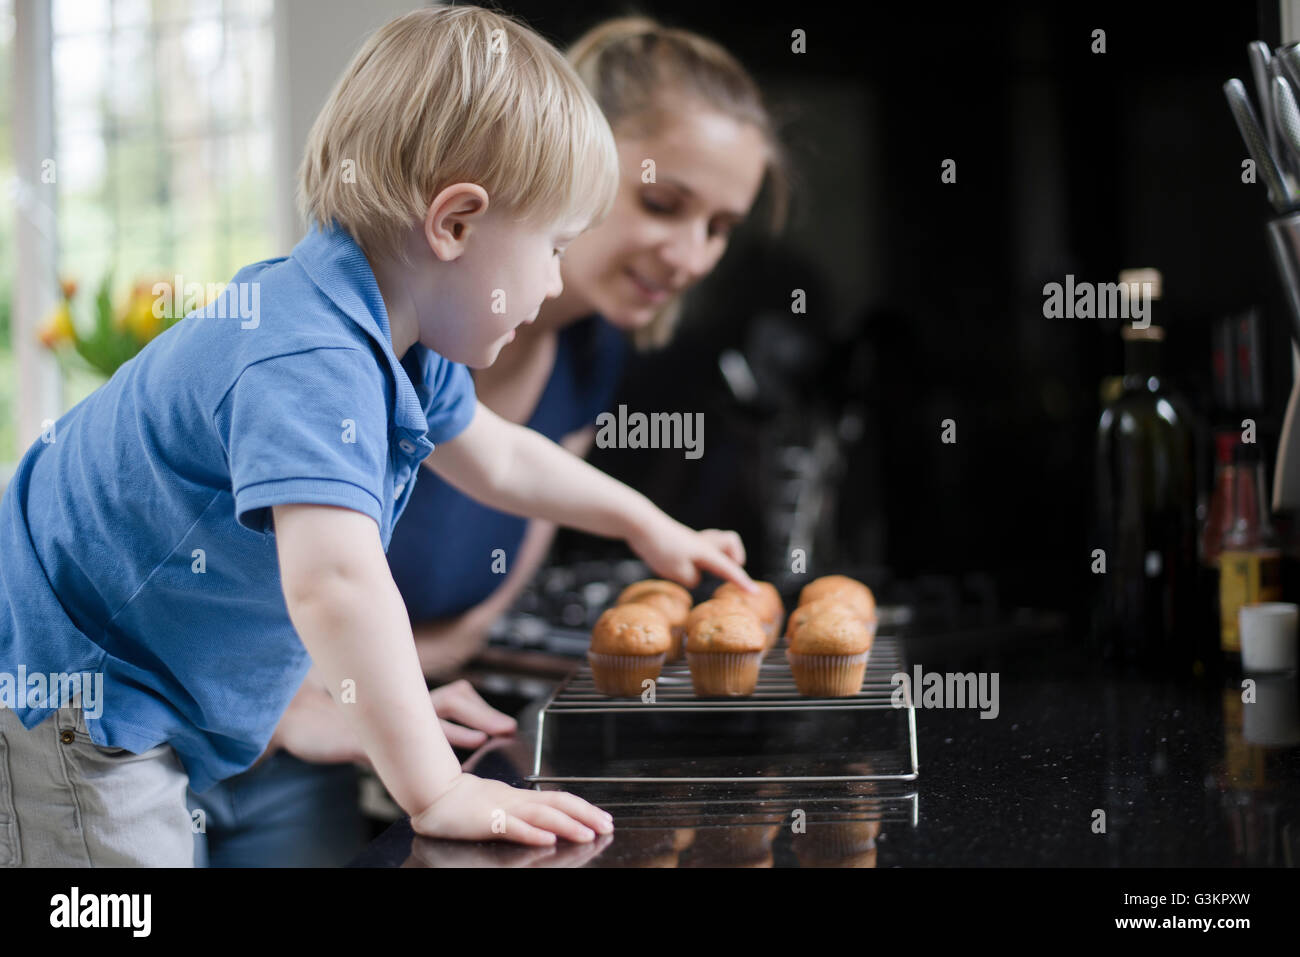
x=1082, y=766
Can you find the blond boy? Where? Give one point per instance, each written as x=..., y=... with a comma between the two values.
x=213, y=520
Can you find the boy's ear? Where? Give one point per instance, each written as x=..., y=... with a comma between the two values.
x=451, y=217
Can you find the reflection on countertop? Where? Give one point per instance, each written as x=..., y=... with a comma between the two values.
x=1081, y=767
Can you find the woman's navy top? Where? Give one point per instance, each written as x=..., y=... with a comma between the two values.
x=442, y=546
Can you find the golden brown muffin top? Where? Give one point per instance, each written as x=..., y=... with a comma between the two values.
x=828, y=627
x=631, y=629
x=766, y=602
x=849, y=591
x=636, y=590
x=729, y=631
x=667, y=604
x=804, y=612
x=717, y=606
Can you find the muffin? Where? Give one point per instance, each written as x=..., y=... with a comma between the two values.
x=634, y=591
x=829, y=644
x=766, y=603
x=717, y=606
x=628, y=645
x=724, y=651
x=806, y=611
x=847, y=590
x=671, y=599
x=675, y=611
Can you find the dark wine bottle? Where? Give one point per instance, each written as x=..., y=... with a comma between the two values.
x=1146, y=515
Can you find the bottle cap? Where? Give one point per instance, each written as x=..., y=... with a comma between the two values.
x=1150, y=334
x=1141, y=276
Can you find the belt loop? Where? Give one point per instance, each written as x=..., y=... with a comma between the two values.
x=69, y=715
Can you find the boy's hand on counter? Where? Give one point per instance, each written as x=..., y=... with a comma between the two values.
x=478, y=809
x=675, y=551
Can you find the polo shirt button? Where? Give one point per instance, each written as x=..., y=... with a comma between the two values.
x=397, y=492
x=67, y=737
x=406, y=446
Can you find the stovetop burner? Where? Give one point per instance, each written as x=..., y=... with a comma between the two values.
x=558, y=609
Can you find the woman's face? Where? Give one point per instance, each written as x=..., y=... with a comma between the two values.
x=664, y=236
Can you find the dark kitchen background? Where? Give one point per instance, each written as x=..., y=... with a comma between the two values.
x=925, y=299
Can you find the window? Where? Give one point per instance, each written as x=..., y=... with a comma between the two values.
x=8, y=226
x=162, y=149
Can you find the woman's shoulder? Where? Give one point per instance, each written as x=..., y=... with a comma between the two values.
x=588, y=367
x=592, y=338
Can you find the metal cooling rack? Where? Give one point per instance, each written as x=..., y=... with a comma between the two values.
x=590, y=723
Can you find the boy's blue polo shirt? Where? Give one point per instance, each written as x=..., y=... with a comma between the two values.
x=138, y=543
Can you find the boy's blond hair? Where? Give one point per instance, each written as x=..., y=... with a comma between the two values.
x=455, y=94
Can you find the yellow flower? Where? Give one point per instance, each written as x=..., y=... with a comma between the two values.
x=57, y=328
x=139, y=314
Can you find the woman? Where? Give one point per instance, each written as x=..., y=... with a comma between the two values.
x=695, y=145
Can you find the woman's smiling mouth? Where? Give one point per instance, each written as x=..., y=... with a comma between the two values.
x=648, y=290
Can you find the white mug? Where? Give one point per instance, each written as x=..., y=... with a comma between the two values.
x=1268, y=636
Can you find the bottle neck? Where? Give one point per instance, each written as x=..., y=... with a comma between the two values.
x=1142, y=363
x=1250, y=523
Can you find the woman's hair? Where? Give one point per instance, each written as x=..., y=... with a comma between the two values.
x=638, y=70
x=450, y=94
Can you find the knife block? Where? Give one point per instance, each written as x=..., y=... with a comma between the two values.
x=1284, y=245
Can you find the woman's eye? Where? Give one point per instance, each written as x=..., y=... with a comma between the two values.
x=655, y=207
x=558, y=252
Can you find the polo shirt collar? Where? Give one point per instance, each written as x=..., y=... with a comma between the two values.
x=339, y=268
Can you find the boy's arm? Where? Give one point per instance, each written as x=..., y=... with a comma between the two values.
x=316, y=728
x=514, y=469
x=350, y=617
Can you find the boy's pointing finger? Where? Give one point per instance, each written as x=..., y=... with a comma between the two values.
x=719, y=564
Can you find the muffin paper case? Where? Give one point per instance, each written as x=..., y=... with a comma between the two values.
x=621, y=675
x=731, y=674
x=828, y=676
